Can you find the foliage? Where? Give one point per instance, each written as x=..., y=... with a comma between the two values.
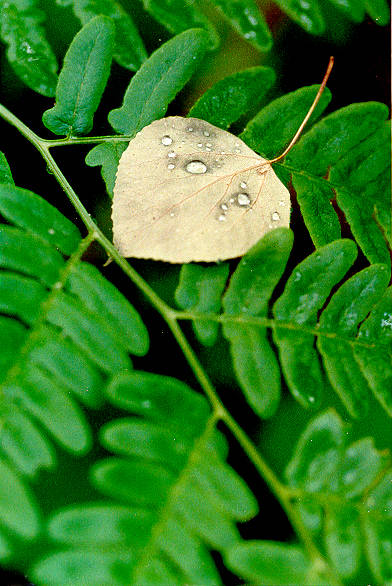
x=113, y=474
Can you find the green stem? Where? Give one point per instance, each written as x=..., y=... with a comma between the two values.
x=85, y=140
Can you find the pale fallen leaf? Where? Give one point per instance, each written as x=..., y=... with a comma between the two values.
x=189, y=191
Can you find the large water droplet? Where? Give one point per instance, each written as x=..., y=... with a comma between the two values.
x=196, y=167
x=166, y=140
x=243, y=199
x=275, y=216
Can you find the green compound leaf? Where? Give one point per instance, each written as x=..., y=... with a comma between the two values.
x=248, y=294
x=200, y=289
x=233, y=96
x=29, y=52
x=5, y=171
x=247, y=19
x=304, y=295
x=158, y=81
x=179, y=15
x=173, y=496
x=352, y=147
x=82, y=79
x=77, y=327
x=107, y=155
x=346, y=310
x=129, y=50
x=350, y=480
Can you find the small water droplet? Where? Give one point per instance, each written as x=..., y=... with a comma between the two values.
x=250, y=35
x=282, y=203
x=231, y=200
x=311, y=399
x=223, y=152
x=146, y=404
x=222, y=218
x=252, y=20
x=196, y=167
x=224, y=207
x=243, y=185
x=50, y=231
x=172, y=154
x=199, y=144
x=166, y=140
x=170, y=166
x=172, y=214
x=206, y=133
x=190, y=129
x=58, y=285
x=208, y=149
x=237, y=150
x=208, y=144
x=243, y=199
x=275, y=216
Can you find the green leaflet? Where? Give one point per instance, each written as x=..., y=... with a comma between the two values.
x=29, y=52
x=18, y=509
x=326, y=468
x=5, y=171
x=32, y=213
x=270, y=563
x=233, y=96
x=352, y=146
x=82, y=79
x=376, y=364
x=307, y=14
x=248, y=294
x=305, y=293
x=179, y=15
x=158, y=81
x=346, y=310
x=247, y=19
x=107, y=155
x=200, y=289
x=274, y=126
x=129, y=50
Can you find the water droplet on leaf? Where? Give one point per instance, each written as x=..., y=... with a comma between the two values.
x=166, y=140
x=243, y=199
x=196, y=167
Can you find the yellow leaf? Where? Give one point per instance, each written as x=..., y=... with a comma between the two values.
x=189, y=191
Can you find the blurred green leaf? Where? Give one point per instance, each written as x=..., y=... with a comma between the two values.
x=29, y=52
x=107, y=155
x=248, y=20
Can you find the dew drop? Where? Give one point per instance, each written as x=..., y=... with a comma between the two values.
x=282, y=203
x=196, y=167
x=208, y=144
x=275, y=216
x=50, y=231
x=231, y=200
x=172, y=214
x=223, y=152
x=172, y=154
x=222, y=218
x=224, y=207
x=199, y=144
x=170, y=166
x=190, y=129
x=146, y=404
x=166, y=140
x=237, y=150
x=243, y=185
x=243, y=199
x=208, y=149
x=206, y=133
x=58, y=285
